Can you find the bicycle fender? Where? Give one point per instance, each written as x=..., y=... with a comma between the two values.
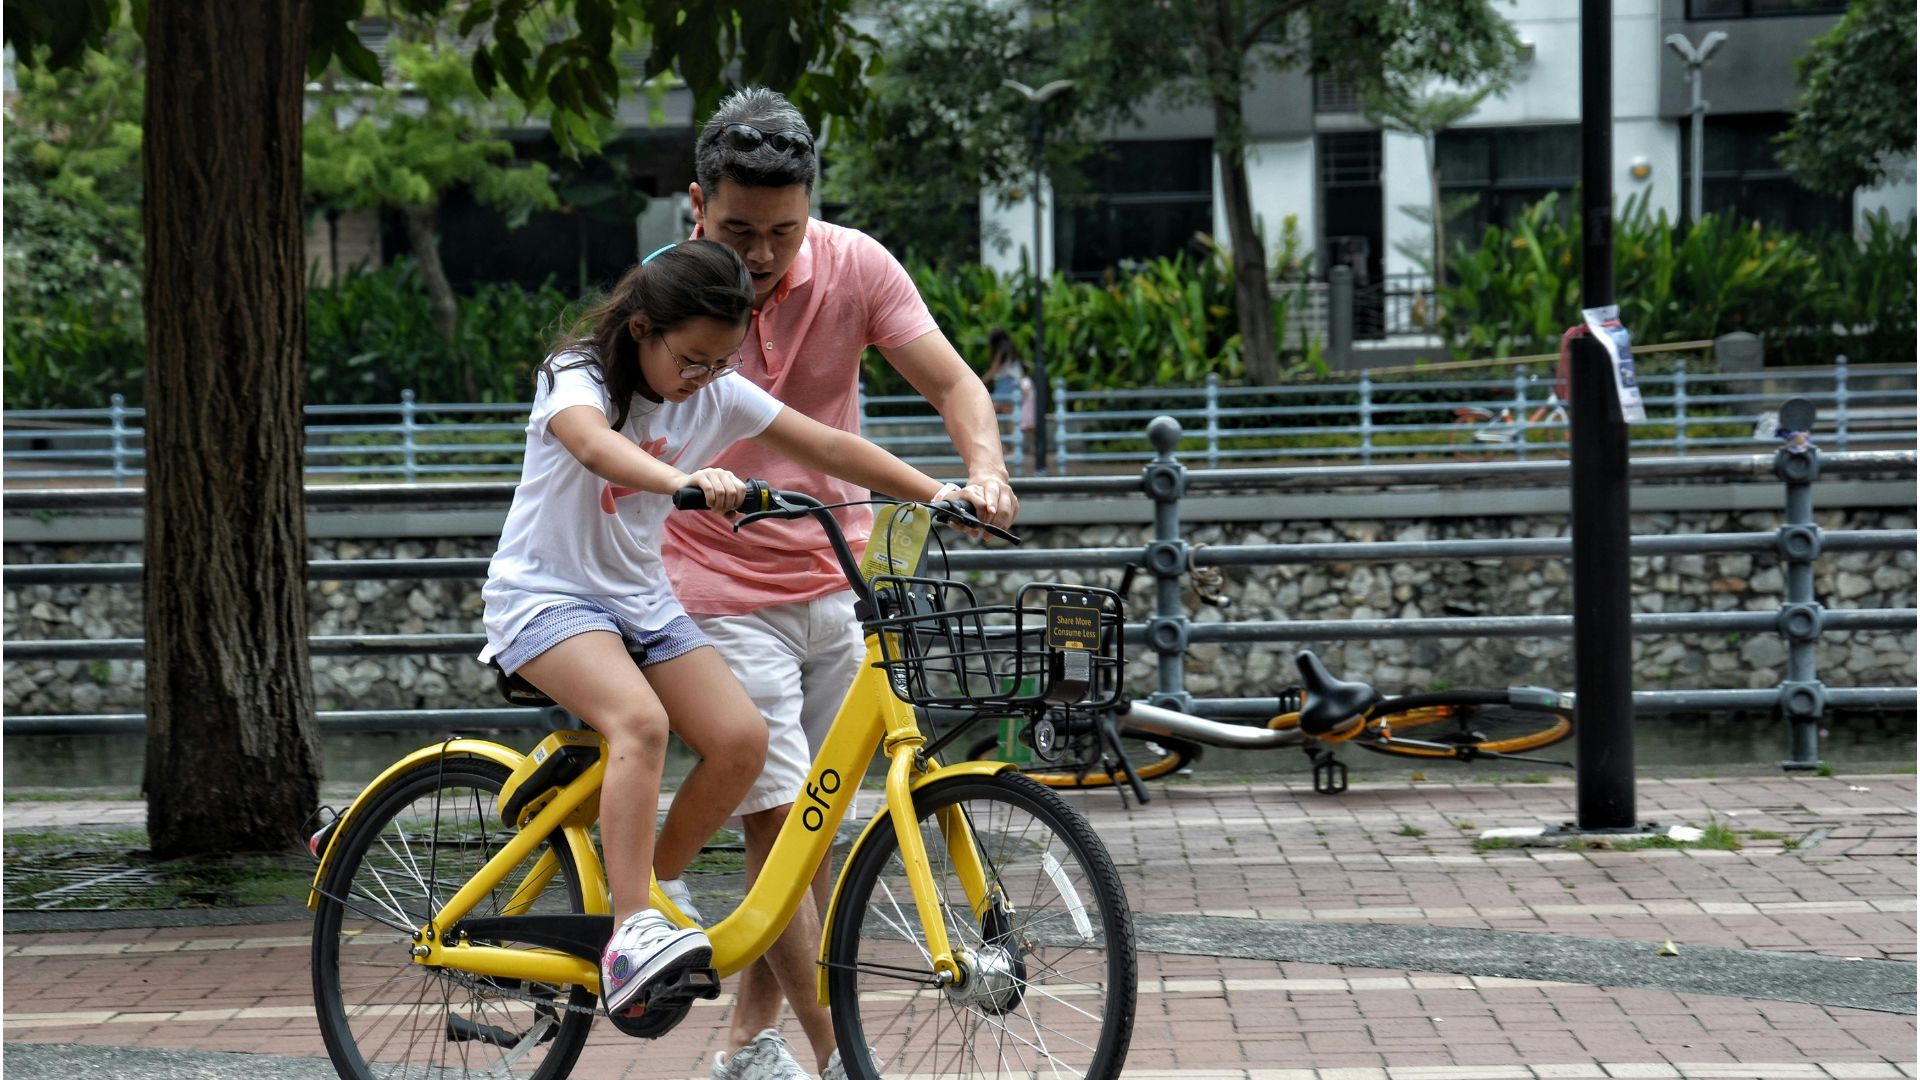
x=479, y=748
x=945, y=772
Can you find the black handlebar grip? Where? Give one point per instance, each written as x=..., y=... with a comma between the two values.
x=759, y=497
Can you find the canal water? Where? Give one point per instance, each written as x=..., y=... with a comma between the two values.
x=1663, y=745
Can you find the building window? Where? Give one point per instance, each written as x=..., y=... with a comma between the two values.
x=1745, y=177
x=1510, y=169
x=1331, y=95
x=1147, y=199
x=1755, y=9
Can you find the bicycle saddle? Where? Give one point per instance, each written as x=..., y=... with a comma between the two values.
x=1332, y=706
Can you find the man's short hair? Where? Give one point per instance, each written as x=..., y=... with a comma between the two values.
x=716, y=159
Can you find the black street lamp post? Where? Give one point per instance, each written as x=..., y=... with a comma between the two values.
x=1043, y=394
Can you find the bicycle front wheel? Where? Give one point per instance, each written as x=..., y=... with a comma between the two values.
x=1049, y=957
x=384, y=1016
x=1084, y=764
x=1465, y=723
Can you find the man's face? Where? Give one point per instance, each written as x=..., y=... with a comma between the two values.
x=764, y=224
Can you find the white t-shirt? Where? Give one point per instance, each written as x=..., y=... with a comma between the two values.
x=570, y=534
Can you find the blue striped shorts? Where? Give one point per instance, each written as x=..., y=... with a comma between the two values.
x=564, y=620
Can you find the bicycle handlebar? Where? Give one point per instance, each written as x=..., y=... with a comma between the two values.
x=765, y=501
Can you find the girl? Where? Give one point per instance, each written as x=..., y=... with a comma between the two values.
x=577, y=586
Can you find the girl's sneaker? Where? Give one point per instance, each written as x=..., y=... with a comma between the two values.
x=645, y=949
x=682, y=897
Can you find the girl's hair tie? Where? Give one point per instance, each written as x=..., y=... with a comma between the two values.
x=657, y=252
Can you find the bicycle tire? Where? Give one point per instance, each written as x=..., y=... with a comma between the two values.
x=1036, y=981
x=1153, y=756
x=1471, y=721
x=382, y=1015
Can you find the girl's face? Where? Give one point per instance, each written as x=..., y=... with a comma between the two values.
x=678, y=362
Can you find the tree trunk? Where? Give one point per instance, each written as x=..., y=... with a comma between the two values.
x=1251, y=294
x=232, y=756
x=1250, y=291
x=423, y=237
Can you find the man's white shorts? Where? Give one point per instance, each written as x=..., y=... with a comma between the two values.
x=796, y=661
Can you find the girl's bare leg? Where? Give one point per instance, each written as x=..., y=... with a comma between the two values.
x=591, y=676
x=713, y=715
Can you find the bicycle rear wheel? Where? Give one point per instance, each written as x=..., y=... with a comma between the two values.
x=1081, y=765
x=1050, y=961
x=384, y=1016
x=1466, y=722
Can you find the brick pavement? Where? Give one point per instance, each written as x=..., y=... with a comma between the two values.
x=1831, y=871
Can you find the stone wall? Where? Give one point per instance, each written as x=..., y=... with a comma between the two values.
x=1333, y=590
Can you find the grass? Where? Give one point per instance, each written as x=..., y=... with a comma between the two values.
x=1716, y=837
x=117, y=871
x=1409, y=830
x=1495, y=843
x=1465, y=826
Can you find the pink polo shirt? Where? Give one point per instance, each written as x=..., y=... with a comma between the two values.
x=842, y=293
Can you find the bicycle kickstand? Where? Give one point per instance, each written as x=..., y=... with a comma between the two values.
x=1110, y=734
x=1329, y=773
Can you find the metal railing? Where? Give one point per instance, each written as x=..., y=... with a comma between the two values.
x=1799, y=697
x=1369, y=419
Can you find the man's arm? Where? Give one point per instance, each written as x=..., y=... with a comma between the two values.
x=930, y=363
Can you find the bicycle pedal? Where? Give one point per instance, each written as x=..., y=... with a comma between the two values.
x=668, y=1003
x=1329, y=775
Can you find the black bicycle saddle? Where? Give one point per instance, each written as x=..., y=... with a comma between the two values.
x=1332, y=705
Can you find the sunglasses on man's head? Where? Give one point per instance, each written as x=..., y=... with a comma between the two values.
x=748, y=137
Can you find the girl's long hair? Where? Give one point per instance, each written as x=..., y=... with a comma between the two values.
x=690, y=280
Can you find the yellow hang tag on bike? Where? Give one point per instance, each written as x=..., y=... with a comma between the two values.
x=899, y=542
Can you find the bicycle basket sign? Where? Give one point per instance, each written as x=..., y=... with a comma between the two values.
x=1073, y=621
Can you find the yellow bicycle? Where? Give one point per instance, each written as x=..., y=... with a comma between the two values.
x=978, y=927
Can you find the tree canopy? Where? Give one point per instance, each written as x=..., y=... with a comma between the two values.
x=1855, y=114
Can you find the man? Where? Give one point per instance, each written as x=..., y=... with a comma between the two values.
x=772, y=598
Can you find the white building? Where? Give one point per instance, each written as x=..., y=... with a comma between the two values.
x=1316, y=160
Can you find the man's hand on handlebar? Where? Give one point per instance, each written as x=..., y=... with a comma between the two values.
x=993, y=499
x=723, y=490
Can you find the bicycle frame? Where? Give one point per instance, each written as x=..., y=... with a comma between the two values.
x=871, y=719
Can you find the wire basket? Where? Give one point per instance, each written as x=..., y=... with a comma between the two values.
x=1055, y=645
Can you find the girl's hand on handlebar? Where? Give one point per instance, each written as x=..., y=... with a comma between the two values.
x=724, y=491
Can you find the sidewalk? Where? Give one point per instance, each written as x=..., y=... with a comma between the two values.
x=1284, y=935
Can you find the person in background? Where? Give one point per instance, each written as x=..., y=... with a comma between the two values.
x=1006, y=375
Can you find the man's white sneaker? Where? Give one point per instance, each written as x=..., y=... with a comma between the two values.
x=682, y=897
x=765, y=1058
x=646, y=948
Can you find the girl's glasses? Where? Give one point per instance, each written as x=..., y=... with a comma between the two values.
x=692, y=370
x=748, y=137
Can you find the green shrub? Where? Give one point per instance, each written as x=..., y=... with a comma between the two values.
x=1808, y=297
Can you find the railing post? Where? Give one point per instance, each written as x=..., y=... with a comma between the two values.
x=1060, y=448
x=1680, y=407
x=1213, y=420
x=118, y=413
x=1366, y=418
x=409, y=460
x=1840, y=401
x=1340, y=316
x=1803, y=699
x=1165, y=481
x=1520, y=404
